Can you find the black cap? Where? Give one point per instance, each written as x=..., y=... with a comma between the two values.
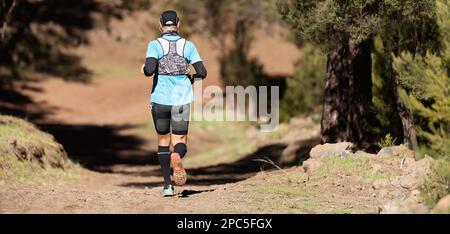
x=169, y=18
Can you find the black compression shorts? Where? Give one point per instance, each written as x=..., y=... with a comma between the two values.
x=166, y=117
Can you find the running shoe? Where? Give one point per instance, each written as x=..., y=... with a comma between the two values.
x=179, y=176
x=168, y=191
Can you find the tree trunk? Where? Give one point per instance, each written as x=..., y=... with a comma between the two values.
x=348, y=93
x=408, y=123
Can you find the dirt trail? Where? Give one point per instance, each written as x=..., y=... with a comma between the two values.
x=109, y=101
x=95, y=124
x=104, y=193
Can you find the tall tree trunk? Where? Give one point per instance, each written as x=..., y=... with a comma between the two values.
x=407, y=119
x=408, y=122
x=348, y=93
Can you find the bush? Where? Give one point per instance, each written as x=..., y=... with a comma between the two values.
x=387, y=141
x=437, y=185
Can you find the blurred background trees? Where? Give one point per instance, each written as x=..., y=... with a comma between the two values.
x=35, y=35
x=304, y=93
x=231, y=25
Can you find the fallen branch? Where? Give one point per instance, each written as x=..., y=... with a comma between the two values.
x=402, y=163
x=269, y=161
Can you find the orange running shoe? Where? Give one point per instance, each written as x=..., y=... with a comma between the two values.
x=179, y=176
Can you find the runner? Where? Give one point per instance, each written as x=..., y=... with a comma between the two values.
x=168, y=59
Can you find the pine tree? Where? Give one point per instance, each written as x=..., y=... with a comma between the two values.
x=345, y=30
x=425, y=86
x=408, y=26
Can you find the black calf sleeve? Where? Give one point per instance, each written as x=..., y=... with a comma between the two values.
x=164, y=162
x=180, y=149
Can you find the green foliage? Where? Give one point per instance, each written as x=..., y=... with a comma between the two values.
x=387, y=141
x=426, y=93
x=398, y=27
x=326, y=22
x=383, y=89
x=409, y=25
x=425, y=87
x=36, y=35
x=437, y=185
x=305, y=89
x=345, y=30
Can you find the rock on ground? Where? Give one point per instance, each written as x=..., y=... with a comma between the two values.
x=416, y=173
x=398, y=150
x=443, y=206
x=330, y=150
x=404, y=187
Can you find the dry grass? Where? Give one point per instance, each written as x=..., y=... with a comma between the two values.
x=18, y=138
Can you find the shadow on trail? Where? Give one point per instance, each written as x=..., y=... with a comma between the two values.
x=187, y=193
x=97, y=147
x=248, y=166
x=14, y=102
x=241, y=169
x=93, y=146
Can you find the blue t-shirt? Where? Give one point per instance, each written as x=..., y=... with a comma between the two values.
x=172, y=90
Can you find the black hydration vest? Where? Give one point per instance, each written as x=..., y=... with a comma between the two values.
x=173, y=62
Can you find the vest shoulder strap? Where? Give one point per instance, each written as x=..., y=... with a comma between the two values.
x=181, y=43
x=164, y=45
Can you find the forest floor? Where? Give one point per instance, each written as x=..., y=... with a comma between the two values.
x=107, y=129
